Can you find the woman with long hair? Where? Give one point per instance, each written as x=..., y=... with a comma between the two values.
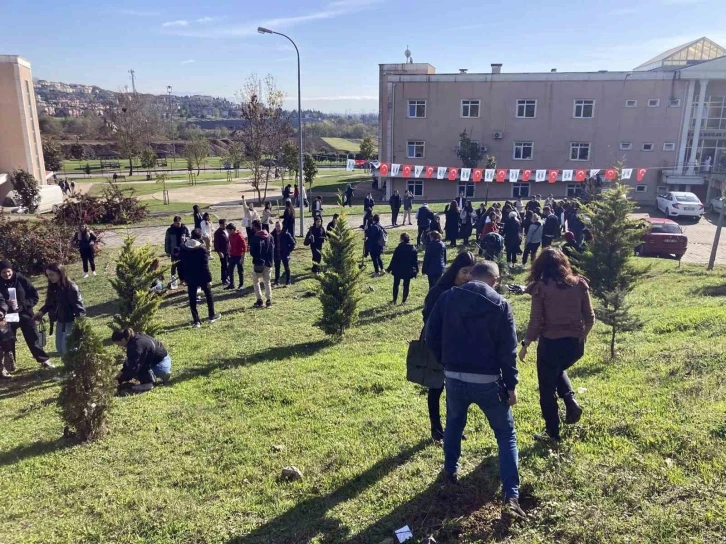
x=403, y=266
x=561, y=318
x=315, y=239
x=452, y=223
x=64, y=303
x=467, y=218
x=288, y=218
x=207, y=231
x=85, y=241
x=147, y=361
x=457, y=274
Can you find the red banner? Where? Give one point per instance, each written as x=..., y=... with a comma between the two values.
x=611, y=173
x=453, y=173
x=501, y=175
x=526, y=174
x=430, y=171
x=580, y=175
x=552, y=176
x=476, y=174
x=407, y=170
x=383, y=169
x=641, y=173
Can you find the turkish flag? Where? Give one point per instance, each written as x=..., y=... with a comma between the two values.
x=477, y=174
x=383, y=169
x=526, y=175
x=429, y=171
x=641, y=173
x=552, y=176
x=501, y=175
x=453, y=173
x=580, y=175
x=406, y=170
x=611, y=173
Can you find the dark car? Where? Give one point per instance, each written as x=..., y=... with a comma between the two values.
x=664, y=237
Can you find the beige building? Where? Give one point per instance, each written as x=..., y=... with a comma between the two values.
x=20, y=143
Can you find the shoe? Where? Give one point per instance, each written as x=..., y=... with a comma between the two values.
x=215, y=318
x=512, y=510
x=548, y=438
x=86, y=276
x=94, y=273
x=196, y=325
x=47, y=364
x=450, y=478
x=288, y=284
x=230, y=287
x=142, y=387
x=276, y=285
x=258, y=304
x=268, y=304
x=437, y=435
x=163, y=379
x=5, y=374
x=240, y=288
x=574, y=412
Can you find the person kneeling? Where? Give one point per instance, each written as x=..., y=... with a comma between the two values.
x=147, y=361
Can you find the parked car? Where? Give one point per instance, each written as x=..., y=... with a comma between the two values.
x=665, y=237
x=680, y=204
x=51, y=198
x=716, y=205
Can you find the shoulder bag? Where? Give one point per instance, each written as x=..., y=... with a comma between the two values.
x=421, y=365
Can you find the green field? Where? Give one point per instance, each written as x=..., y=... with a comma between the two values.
x=199, y=461
x=72, y=166
x=343, y=144
x=140, y=189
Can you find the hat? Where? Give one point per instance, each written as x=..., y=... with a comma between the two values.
x=5, y=264
x=569, y=236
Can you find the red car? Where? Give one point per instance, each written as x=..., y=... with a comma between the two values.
x=664, y=237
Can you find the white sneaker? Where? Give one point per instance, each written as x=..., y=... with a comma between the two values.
x=94, y=273
x=85, y=276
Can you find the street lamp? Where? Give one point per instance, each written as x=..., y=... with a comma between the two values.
x=262, y=30
x=171, y=127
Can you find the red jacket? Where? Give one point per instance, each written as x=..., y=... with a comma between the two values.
x=237, y=244
x=489, y=227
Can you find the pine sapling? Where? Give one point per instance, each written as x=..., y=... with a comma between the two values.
x=615, y=313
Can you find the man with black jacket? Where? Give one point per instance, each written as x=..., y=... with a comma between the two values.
x=471, y=333
x=195, y=260
x=395, y=202
x=284, y=244
x=221, y=246
x=551, y=227
x=175, y=237
x=424, y=216
x=262, y=249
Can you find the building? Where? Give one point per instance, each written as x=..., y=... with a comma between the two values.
x=20, y=143
x=648, y=118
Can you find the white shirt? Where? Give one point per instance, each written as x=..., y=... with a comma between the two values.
x=206, y=229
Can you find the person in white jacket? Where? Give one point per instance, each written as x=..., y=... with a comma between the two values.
x=533, y=240
x=249, y=216
x=207, y=232
x=266, y=217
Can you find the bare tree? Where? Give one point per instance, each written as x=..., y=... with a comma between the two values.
x=135, y=123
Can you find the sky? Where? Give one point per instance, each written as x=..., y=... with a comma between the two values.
x=213, y=47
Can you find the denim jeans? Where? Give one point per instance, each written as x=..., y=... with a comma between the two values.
x=162, y=369
x=459, y=396
x=62, y=332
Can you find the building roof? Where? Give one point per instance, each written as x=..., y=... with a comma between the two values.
x=684, y=55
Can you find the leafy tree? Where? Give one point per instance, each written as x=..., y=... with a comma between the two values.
x=196, y=151
x=290, y=158
x=366, y=148
x=468, y=151
x=27, y=188
x=135, y=273
x=87, y=393
x=53, y=155
x=235, y=155
x=148, y=159
x=310, y=169
x=76, y=152
x=87, y=169
x=50, y=126
x=340, y=291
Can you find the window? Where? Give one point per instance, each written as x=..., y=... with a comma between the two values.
x=641, y=188
x=669, y=146
x=520, y=190
x=674, y=103
x=467, y=188
x=662, y=189
x=417, y=108
x=526, y=109
x=584, y=109
x=653, y=102
x=647, y=147
x=470, y=108
x=574, y=190
x=579, y=151
x=664, y=228
x=523, y=151
x=415, y=186
x=628, y=103
x=626, y=146
x=415, y=150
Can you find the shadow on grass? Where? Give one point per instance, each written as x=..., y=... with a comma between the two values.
x=104, y=309
x=24, y=383
x=377, y=317
x=710, y=290
x=36, y=449
x=582, y=371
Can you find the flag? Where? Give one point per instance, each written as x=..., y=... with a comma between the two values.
x=641, y=173
x=540, y=175
x=477, y=173
x=594, y=172
x=465, y=174
x=441, y=172
x=501, y=175
x=567, y=175
x=489, y=174
x=350, y=166
x=453, y=173
x=383, y=169
x=395, y=169
x=626, y=173
x=429, y=171
x=406, y=170
x=513, y=176
x=552, y=175
x=417, y=171
x=580, y=175
x=526, y=175
x=611, y=173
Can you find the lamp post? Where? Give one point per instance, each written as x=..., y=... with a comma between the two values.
x=171, y=127
x=301, y=185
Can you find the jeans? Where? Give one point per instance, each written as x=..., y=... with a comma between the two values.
x=396, y=282
x=422, y=231
x=433, y=278
x=394, y=216
x=459, y=396
x=530, y=249
x=406, y=213
x=223, y=266
x=377, y=262
x=192, y=291
x=317, y=257
x=553, y=358
x=62, y=332
x=286, y=264
x=88, y=256
x=162, y=369
x=32, y=339
x=264, y=276
x=236, y=262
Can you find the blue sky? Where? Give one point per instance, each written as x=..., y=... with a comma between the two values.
x=212, y=47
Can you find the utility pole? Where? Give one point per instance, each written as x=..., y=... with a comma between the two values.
x=133, y=80
x=714, y=249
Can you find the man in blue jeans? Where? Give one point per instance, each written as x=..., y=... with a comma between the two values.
x=471, y=333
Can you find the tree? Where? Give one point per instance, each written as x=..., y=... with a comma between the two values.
x=468, y=151
x=27, y=188
x=76, y=152
x=52, y=155
x=87, y=392
x=148, y=159
x=135, y=273
x=135, y=123
x=290, y=159
x=196, y=151
x=235, y=155
x=339, y=288
x=310, y=169
x=366, y=148
x=615, y=313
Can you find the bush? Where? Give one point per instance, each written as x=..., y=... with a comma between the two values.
x=30, y=245
x=27, y=188
x=87, y=392
x=113, y=207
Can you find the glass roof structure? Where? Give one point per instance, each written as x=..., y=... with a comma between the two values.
x=694, y=52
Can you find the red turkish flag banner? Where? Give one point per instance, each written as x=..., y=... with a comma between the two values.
x=453, y=173
x=501, y=175
x=641, y=173
x=580, y=175
x=526, y=174
x=477, y=174
x=611, y=173
x=407, y=170
x=383, y=169
x=552, y=176
x=430, y=171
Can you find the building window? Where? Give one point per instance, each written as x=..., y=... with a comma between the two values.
x=626, y=146
x=470, y=108
x=526, y=109
x=669, y=146
x=641, y=188
x=628, y=103
x=415, y=186
x=415, y=150
x=584, y=109
x=417, y=108
x=674, y=103
x=647, y=147
x=467, y=188
x=574, y=190
x=662, y=189
x=520, y=190
x=523, y=151
x=653, y=102
x=579, y=151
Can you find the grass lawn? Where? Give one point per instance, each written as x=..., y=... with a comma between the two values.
x=172, y=177
x=198, y=461
x=72, y=166
x=342, y=144
x=140, y=189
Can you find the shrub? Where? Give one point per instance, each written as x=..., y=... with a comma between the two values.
x=113, y=207
x=27, y=188
x=30, y=245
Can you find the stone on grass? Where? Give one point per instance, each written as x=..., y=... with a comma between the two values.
x=371, y=289
x=277, y=448
x=292, y=474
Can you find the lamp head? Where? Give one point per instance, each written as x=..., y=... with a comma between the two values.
x=263, y=30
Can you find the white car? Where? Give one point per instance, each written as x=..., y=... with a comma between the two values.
x=679, y=204
x=716, y=205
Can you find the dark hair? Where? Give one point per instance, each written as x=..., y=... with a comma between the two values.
x=268, y=205
x=529, y=215
x=122, y=334
x=377, y=218
x=546, y=209
x=587, y=235
x=197, y=234
x=553, y=265
x=222, y=222
x=206, y=216
x=405, y=238
x=154, y=266
x=59, y=269
x=176, y=218
x=195, y=208
x=336, y=216
x=231, y=227
x=454, y=206
x=257, y=225
x=463, y=259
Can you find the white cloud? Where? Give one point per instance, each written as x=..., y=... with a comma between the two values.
x=175, y=24
x=189, y=61
x=206, y=19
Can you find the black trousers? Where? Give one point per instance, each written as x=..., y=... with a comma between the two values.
x=317, y=257
x=434, y=404
x=347, y=201
x=192, y=291
x=30, y=333
x=223, y=266
x=554, y=357
x=235, y=262
x=512, y=252
x=433, y=278
x=394, y=216
x=396, y=283
x=89, y=257
x=250, y=233
x=422, y=231
x=286, y=265
x=547, y=241
x=530, y=249
x=377, y=262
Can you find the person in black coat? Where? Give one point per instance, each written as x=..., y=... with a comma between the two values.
x=368, y=203
x=375, y=242
x=284, y=244
x=434, y=262
x=452, y=223
x=262, y=250
x=395, y=202
x=147, y=361
x=512, y=232
x=467, y=218
x=195, y=259
x=288, y=218
x=315, y=239
x=85, y=241
x=63, y=303
x=198, y=217
x=403, y=266
x=26, y=297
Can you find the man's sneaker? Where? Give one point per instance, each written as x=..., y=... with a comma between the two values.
x=230, y=287
x=240, y=287
x=276, y=285
x=5, y=374
x=268, y=304
x=196, y=325
x=47, y=364
x=215, y=318
x=86, y=276
x=512, y=510
x=164, y=379
x=288, y=284
x=94, y=273
x=546, y=437
x=574, y=412
x=258, y=304
x=450, y=478
x=142, y=387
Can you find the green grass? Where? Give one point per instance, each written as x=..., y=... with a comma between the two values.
x=203, y=176
x=198, y=462
x=343, y=144
x=140, y=189
x=72, y=166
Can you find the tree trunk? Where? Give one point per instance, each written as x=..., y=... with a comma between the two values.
x=267, y=182
x=612, y=344
x=131, y=166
